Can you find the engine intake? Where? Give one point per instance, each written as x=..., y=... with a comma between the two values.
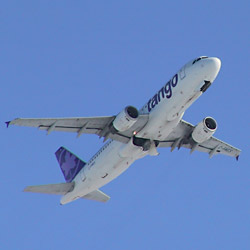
x=204, y=130
x=126, y=119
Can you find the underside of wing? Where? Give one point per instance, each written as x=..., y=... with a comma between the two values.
x=101, y=126
x=80, y=125
x=181, y=137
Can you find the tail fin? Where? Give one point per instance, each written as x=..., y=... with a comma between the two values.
x=70, y=164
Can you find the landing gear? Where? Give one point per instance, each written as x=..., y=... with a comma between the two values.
x=144, y=143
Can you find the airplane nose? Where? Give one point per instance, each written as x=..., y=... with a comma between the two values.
x=212, y=68
x=215, y=63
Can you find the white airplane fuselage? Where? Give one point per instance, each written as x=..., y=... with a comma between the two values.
x=165, y=110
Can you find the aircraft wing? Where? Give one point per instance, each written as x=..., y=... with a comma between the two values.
x=181, y=137
x=82, y=125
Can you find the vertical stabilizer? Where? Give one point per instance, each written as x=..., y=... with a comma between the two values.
x=70, y=164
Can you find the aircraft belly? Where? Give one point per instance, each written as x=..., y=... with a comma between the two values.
x=105, y=170
x=159, y=127
x=109, y=167
x=94, y=182
x=168, y=112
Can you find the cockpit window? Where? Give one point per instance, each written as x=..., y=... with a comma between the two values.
x=199, y=58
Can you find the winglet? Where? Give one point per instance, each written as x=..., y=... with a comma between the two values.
x=7, y=123
x=237, y=157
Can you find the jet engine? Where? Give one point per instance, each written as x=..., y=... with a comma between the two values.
x=204, y=130
x=126, y=119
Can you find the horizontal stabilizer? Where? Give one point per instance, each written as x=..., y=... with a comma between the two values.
x=59, y=188
x=97, y=195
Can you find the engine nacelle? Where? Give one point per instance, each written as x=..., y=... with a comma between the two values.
x=126, y=119
x=204, y=130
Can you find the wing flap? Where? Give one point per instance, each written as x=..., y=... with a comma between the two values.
x=59, y=188
x=97, y=195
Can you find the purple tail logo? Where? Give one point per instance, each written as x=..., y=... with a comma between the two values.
x=69, y=163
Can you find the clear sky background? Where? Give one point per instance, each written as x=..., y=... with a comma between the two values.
x=92, y=58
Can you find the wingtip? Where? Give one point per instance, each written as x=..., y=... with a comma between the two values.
x=7, y=123
x=11, y=122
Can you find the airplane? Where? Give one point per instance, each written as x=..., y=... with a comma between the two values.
x=133, y=134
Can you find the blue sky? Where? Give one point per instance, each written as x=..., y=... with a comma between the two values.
x=92, y=58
